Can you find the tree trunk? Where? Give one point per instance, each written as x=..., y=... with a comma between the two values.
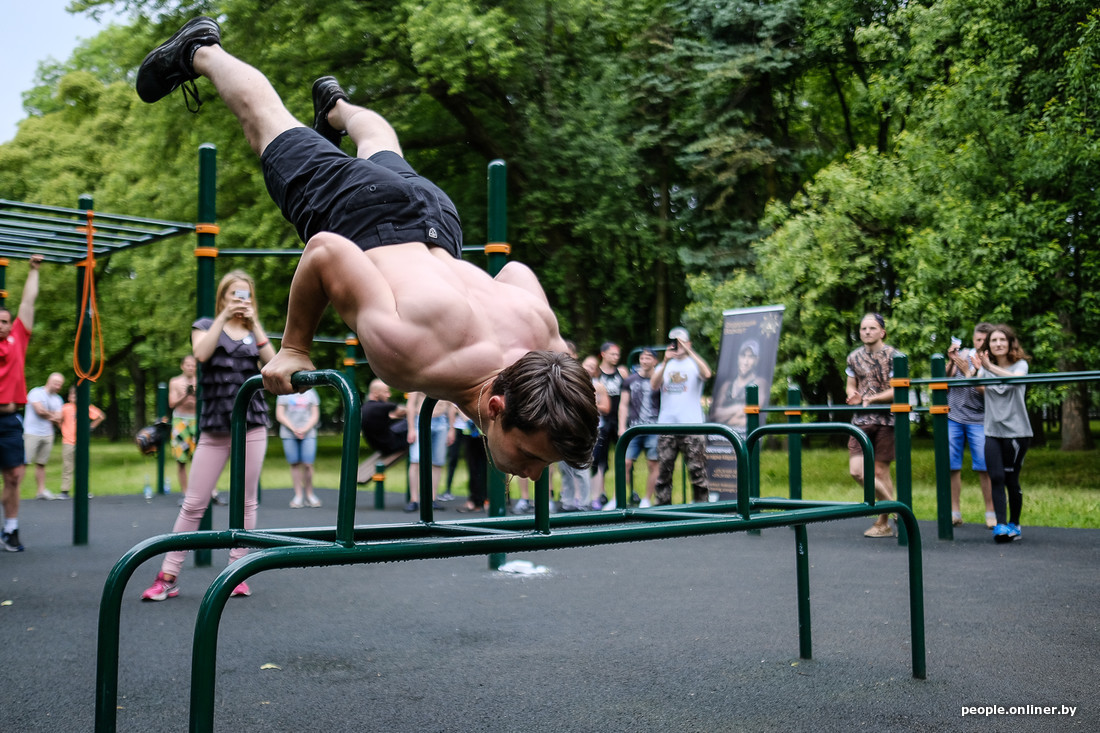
x=1038, y=429
x=1075, y=419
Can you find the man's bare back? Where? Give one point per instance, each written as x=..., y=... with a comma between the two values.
x=426, y=321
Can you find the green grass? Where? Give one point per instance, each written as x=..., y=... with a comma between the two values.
x=1060, y=489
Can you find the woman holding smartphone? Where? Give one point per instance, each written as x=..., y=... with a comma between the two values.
x=231, y=348
x=1007, y=428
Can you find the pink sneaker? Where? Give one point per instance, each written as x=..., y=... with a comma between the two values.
x=241, y=590
x=161, y=589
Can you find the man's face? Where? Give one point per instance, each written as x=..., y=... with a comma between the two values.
x=521, y=454
x=647, y=361
x=979, y=340
x=870, y=333
x=55, y=383
x=187, y=366
x=611, y=356
x=5, y=324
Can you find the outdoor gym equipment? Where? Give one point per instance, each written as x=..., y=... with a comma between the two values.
x=347, y=544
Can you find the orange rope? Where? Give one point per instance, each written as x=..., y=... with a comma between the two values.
x=87, y=302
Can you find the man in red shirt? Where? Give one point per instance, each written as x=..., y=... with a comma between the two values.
x=14, y=336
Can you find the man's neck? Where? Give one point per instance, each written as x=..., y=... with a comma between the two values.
x=877, y=346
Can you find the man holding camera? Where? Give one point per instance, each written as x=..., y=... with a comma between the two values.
x=680, y=377
x=181, y=399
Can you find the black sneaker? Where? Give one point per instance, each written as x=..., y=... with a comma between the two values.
x=11, y=541
x=326, y=92
x=169, y=65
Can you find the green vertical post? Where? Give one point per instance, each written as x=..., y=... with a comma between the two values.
x=802, y=574
x=801, y=536
x=166, y=419
x=903, y=456
x=794, y=443
x=206, y=252
x=83, y=400
x=497, y=251
x=423, y=492
x=351, y=344
x=379, y=485
x=941, y=449
x=752, y=422
x=3, y=282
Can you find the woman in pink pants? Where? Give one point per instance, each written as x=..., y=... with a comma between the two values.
x=231, y=348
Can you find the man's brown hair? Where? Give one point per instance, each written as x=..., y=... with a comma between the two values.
x=547, y=390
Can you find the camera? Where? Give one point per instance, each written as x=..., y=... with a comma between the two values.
x=190, y=389
x=674, y=345
x=244, y=295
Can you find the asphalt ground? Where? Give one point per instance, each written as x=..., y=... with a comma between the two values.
x=696, y=634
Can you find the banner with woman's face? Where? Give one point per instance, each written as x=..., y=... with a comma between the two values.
x=746, y=356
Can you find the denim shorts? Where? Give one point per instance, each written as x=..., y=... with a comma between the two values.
x=300, y=451
x=439, y=442
x=960, y=434
x=649, y=442
x=374, y=202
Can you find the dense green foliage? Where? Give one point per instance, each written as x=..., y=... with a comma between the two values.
x=667, y=160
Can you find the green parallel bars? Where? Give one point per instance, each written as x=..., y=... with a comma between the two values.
x=903, y=459
x=206, y=252
x=349, y=455
x=941, y=448
x=497, y=251
x=83, y=400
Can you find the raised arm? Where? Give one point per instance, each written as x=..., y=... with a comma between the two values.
x=30, y=294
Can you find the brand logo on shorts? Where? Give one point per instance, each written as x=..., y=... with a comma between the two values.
x=433, y=233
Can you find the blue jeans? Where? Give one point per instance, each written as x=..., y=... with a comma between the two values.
x=638, y=442
x=958, y=435
x=300, y=451
x=439, y=442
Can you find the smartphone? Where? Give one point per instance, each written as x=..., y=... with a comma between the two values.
x=244, y=295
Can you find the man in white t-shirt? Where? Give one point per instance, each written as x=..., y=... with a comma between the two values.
x=680, y=377
x=43, y=414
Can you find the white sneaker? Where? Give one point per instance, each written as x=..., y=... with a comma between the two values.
x=46, y=495
x=610, y=505
x=644, y=504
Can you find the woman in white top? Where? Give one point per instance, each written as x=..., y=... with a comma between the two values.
x=1007, y=428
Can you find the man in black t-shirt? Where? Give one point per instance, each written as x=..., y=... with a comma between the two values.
x=383, y=424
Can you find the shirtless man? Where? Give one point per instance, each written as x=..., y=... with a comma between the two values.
x=383, y=246
x=181, y=399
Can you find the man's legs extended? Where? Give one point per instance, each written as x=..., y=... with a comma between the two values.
x=248, y=94
x=367, y=129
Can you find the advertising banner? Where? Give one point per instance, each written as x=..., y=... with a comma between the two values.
x=747, y=355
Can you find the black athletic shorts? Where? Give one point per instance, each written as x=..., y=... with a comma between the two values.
x=373, y=202
x=11, y=441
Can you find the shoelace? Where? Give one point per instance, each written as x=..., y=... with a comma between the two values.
x=191, y=94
